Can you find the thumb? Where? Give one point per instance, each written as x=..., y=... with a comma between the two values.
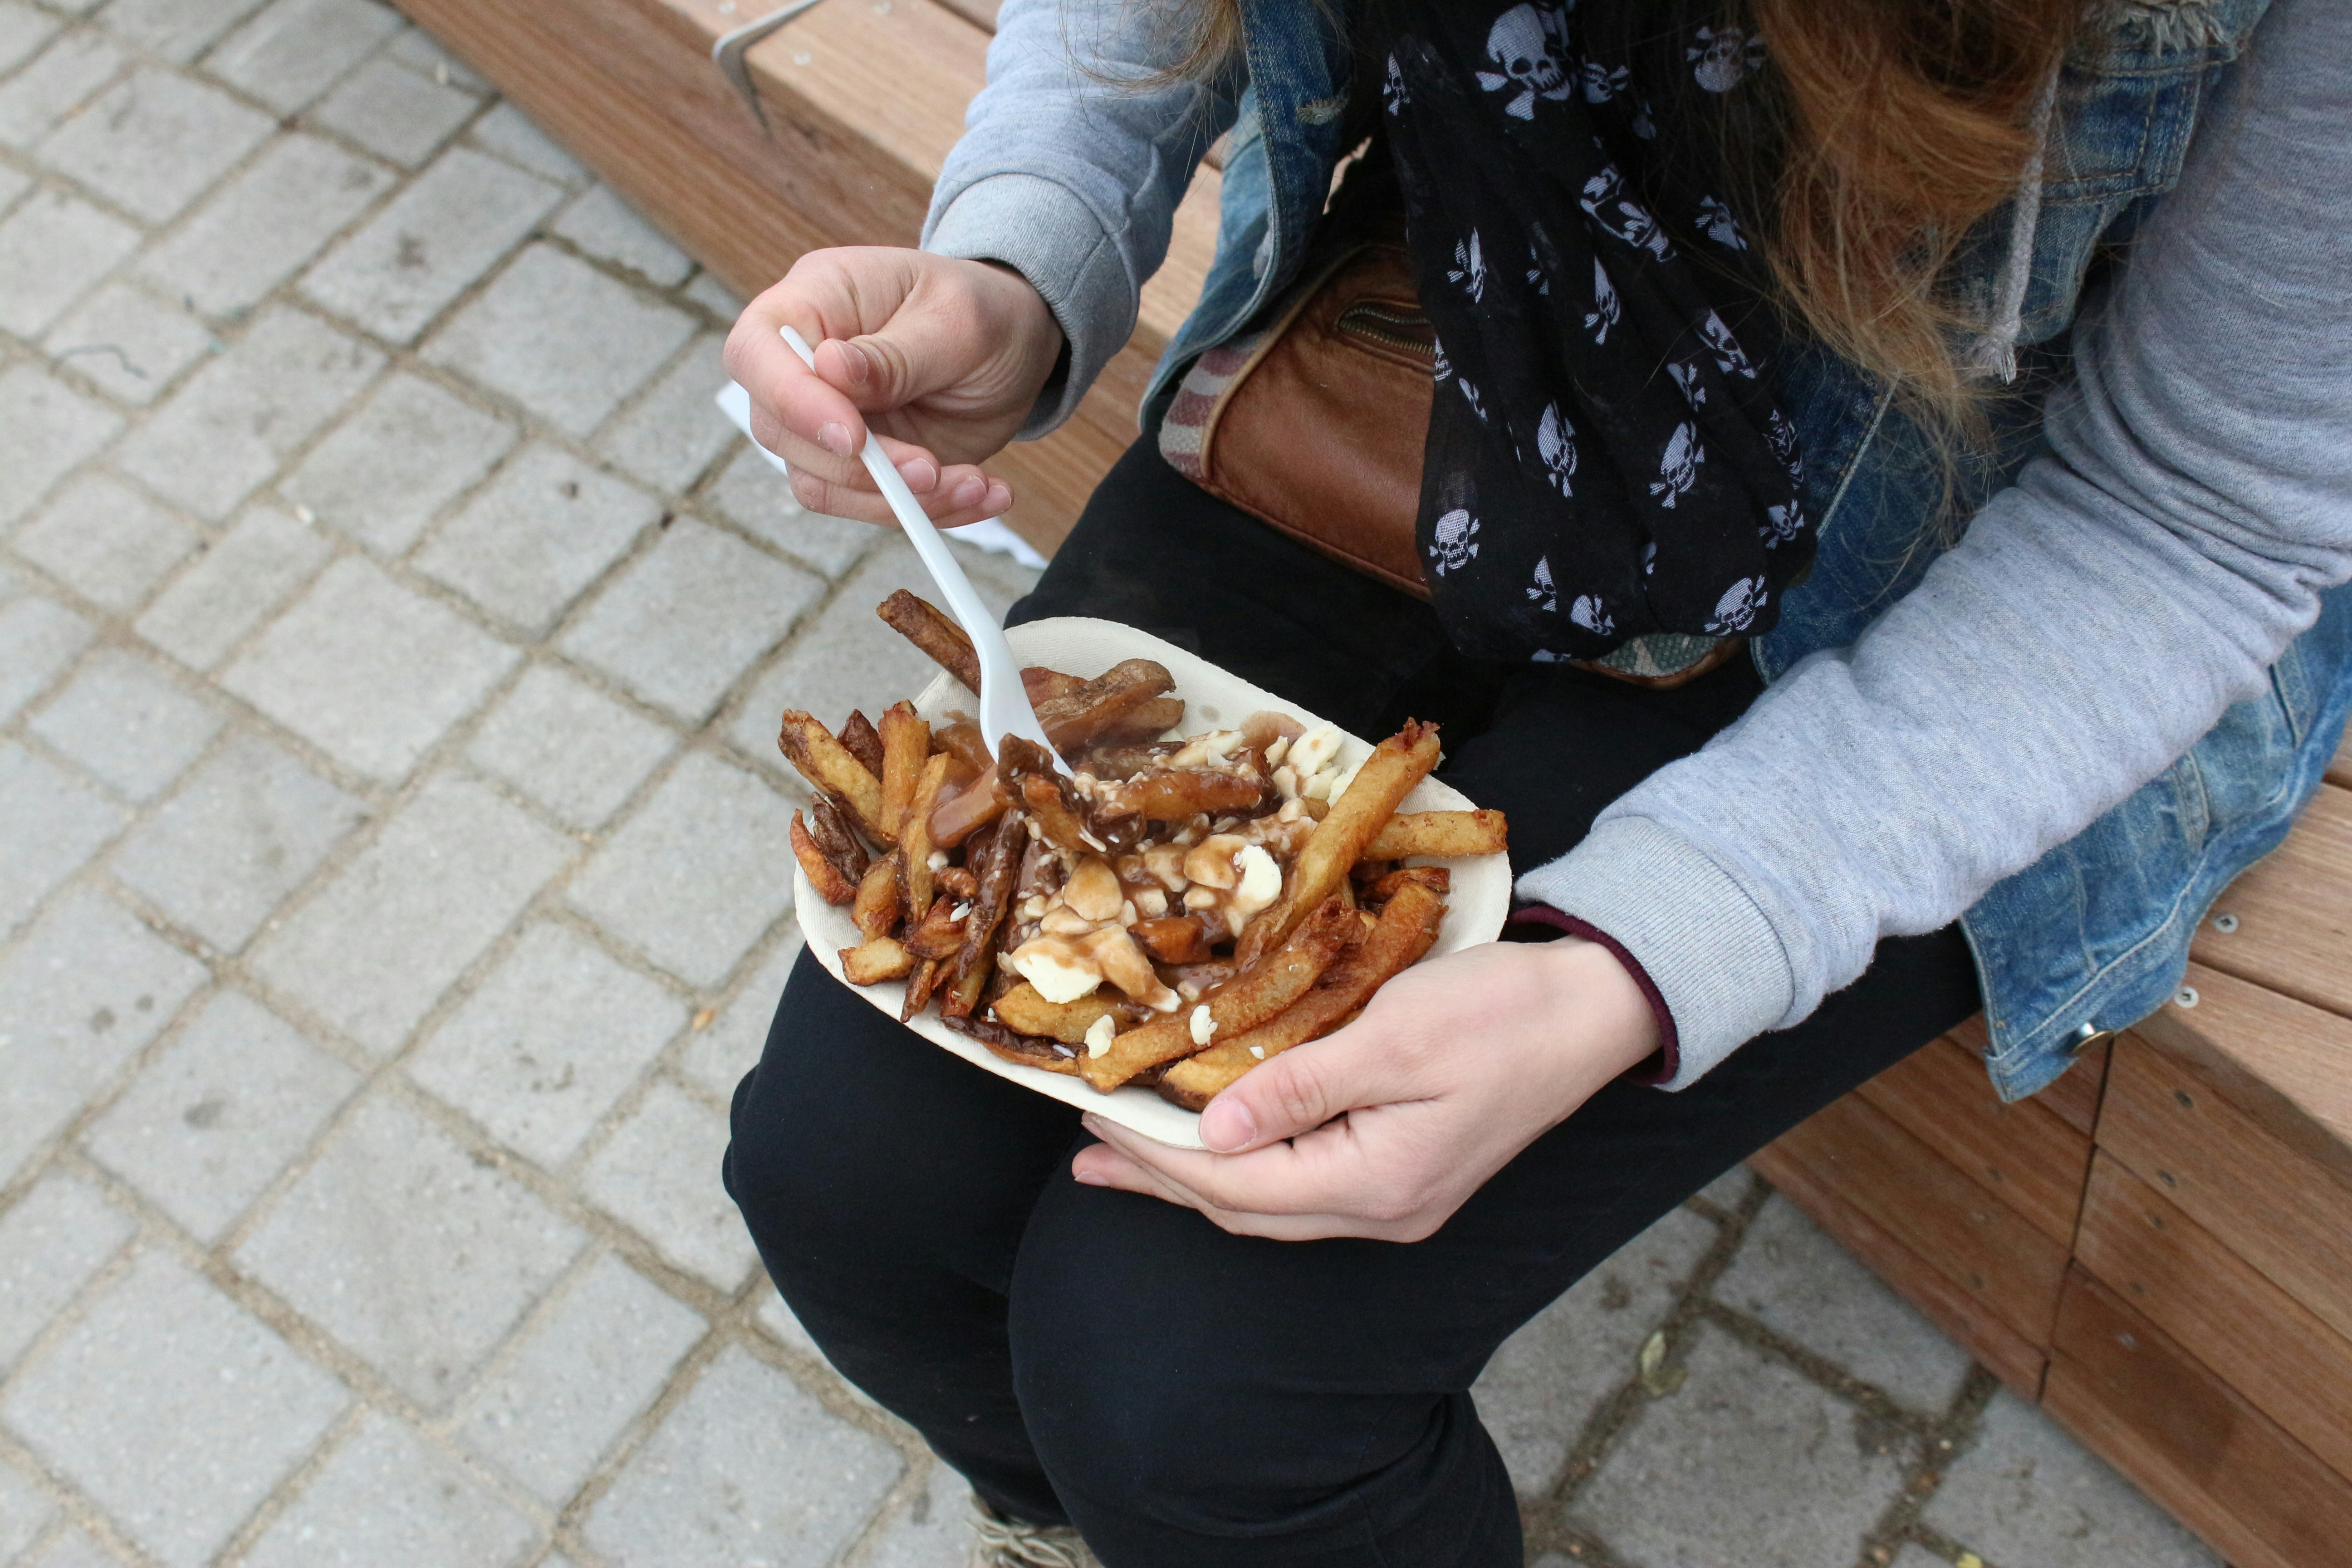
x=880, y=370
x=1294, y=1092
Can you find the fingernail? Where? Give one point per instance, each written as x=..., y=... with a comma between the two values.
x=854, y=360
x=1227, y=1125
x=1088, y=1179
x=968, y=491
x=834, y=438
x=918, y=474
x=999, y=495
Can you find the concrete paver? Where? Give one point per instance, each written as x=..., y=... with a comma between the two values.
x=394, y=887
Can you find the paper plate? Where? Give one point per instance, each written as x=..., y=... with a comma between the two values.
x=1475, y=908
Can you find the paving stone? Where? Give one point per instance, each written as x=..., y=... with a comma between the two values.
x=748, y=1469
x=1748, y=1463
x=777, y=1319
x=55, y=823
x=688, y=617
x=530, y=337
x=211, y=1122
x=2026, y=1495
x=74, y=1548
x=933, y=1530
x=699, y=875
x=537, y=536
x=38, y=638
x=65, y=74
x=419, y=51
x=1545, y=1381
x=13, y=184
x=1790, y=1275
x=108, y=542
x=1729, y=1190
x=759, y=499
x=508, y=132
x=248, y=829
x=238, y=419
x=264, y=224
x=408, y=451
x=847, y=659
x=79, y=997
x=155, y=142
x=240, y=580
x=674, y=430
x=178, y=31
x=60, y=1234
x=371, y=672
x=23, y=30
x=592, y=1364
x=1914, y=1555
x=130, y=343
x=546, y=1045
x=395, y=113
x=569, y=747
x=376, y=949
x=52, y=249
x=292, y=51
x=25, y=1511
x=715, y=297
x=608, y=228
x=385, y=1499
x=412, y=1253
x=717, y=1056
x=658, y=1174
x=121, y=719
x=430, y=244
x=127, y=1403
x=47, y=429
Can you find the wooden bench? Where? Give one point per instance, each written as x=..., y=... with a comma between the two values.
x=2159, y=1248
x=2154, y=1249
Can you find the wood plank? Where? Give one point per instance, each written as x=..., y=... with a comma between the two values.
x=2283, y=1063
x=1978, y=1242
x=2294, y=912
x=2287, y=1364
x=2280, y=1211
x=2156, y=1414
x=2074, y=1097
x=2024, y=1154
x=1969, y=1324
x=2339, y=772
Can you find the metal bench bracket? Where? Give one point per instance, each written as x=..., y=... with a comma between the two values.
x=728, y=52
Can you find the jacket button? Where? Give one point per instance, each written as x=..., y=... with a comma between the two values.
x=2090, y=1038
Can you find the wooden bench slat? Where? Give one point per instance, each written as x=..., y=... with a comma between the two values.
x=2271, y=1349
x=2282, y=1213
x=2023, y=1153
x=2195, y=1445
x=2339, y=772
x=2074, y=1097
x=2286, y=1064
x=1978, y=1242
x=2294, y=912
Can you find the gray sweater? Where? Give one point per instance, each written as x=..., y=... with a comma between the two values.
x=2097, y=618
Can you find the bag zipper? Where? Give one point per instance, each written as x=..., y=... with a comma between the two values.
x=1399, y=331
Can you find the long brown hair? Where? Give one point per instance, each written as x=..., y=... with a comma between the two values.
x=1879, y=133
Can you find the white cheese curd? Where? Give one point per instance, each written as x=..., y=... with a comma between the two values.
x=1204, y=1027
x=1312, y=751
x=1099, y=1034
x=1260, y=885
x=1258, y=1051
x=937, y=861
x=1057, y=974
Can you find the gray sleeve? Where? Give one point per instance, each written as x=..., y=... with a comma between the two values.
x=2095, y=621
x=1070, y=169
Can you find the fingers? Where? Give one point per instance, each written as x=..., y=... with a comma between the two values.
x=961, y=494
x=788, y=398
x=1102, y=1164
x=1301, y=1090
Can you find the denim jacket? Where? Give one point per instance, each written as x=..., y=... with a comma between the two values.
x=2095, y=935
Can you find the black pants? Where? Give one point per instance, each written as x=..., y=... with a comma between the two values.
x=1191, y=1398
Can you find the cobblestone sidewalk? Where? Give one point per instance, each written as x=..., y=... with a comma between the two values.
x=393, y=885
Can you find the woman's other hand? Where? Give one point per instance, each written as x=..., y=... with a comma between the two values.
x=944, y=358
x=1387, y=1127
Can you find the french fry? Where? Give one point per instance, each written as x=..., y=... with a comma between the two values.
x=975, y=805
x=934, y=631
x=833, y=838
x=1026, y=1050
x=906, y=746
x=827, y=765
x=881, y=898
x=875, y=960
x=1388, y=775
x=861, y=740
x=1171, y=795
x=963, y=740
x=1407, y=930
x=1028, y=769
x=915, y=844
x=996, y=870
x=1079, y=716
x=1038, y=683
x=1173, y=939
x=939, y=935
x=1442, y=835
x=830, y=884
x=1149, y=721
x=1436, y=878
x=1249, y=999
x=919, y=985
x=1068, y=1022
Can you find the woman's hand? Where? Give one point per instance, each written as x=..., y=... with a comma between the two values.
x=1385, y=1127
x=944, y=357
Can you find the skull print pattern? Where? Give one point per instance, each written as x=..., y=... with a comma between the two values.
x=1615, y=457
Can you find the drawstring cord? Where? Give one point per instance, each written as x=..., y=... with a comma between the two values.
x=1995, y=353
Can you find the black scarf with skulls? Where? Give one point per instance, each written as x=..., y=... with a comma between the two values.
x=1605, y=460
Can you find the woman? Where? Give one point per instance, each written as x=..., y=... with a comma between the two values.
x=2036, y=540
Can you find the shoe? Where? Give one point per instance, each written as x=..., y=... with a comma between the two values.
x=1002, y=1542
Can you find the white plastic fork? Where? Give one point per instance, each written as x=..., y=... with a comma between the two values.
x=1004, y=707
